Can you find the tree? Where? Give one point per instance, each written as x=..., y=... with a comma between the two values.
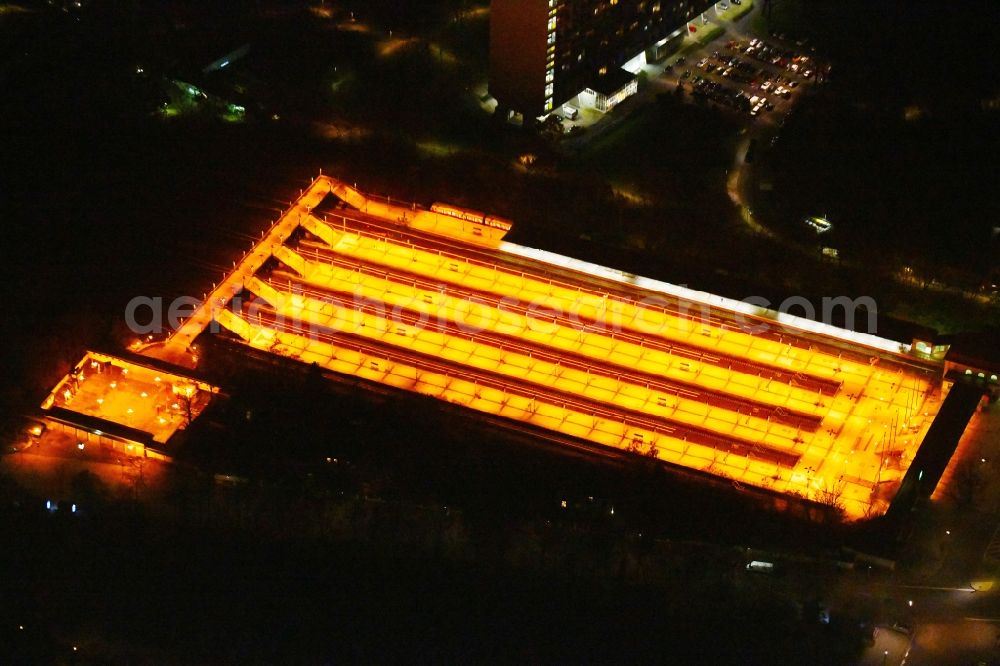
x=132, y=474
x=186, y=399
x=832, y=493
x=966, y=483
x=88, y=489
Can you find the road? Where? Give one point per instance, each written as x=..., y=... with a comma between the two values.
x=49, y=469
x=948, y=627
x=937, y=625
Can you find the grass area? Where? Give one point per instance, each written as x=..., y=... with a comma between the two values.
x=787, y=16
x=760, y=24
x=834, y=158
x=877, y=56
x=705, y=35
x=13, y=9
x=944, y=312
x=736, y=12
x=688, y=137
x=669, y=157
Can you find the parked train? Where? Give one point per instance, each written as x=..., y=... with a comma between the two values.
x=470, y=215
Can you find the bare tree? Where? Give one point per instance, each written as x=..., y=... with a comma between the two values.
x=186, y=399
x=832, y=493
x=132, y=475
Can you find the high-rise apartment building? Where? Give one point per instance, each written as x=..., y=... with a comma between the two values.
x=544, y=52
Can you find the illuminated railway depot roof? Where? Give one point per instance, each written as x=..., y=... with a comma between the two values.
x=441, y=306
x=137, y=395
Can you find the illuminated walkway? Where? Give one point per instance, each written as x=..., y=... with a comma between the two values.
x=613, y=312
x=505, y=356
x=523, y=400
x=476, y=310
x=342, y=312
x=178, y=347
x=440, y=305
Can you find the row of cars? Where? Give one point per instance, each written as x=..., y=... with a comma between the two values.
x=777, y=88
x=795, y=64
x=729, y=67
x=740, y=71
x=734, y=98
x=732, y=67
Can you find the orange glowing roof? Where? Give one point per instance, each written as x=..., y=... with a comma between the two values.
x=136, y=394
x=390, y=293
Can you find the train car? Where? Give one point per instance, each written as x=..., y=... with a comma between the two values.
x=470, y=215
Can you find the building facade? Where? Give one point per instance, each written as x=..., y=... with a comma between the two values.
x=545, y=52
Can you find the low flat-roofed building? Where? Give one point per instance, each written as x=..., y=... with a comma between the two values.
x=610, y=89
x=974, y=357
x=126, y=402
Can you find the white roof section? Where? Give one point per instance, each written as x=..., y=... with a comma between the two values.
x=741, y=307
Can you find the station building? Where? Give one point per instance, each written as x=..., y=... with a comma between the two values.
x=546, y=52
x=436, y=302
x=124, y=403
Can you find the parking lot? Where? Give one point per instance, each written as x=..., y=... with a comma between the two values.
x=756, y=80
x=749, y=76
